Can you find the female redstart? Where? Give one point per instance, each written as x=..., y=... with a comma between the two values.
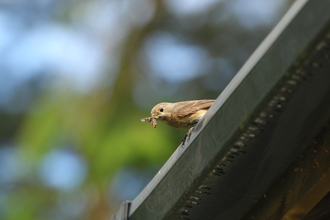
x=182, y=115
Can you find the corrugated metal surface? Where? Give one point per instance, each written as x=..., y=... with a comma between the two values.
x=258, y=126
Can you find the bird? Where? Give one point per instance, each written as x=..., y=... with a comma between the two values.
x=181, y=115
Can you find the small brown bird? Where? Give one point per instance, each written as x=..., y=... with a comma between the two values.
x=182, y=115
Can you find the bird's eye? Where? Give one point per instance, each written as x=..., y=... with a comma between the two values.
x=161, y=109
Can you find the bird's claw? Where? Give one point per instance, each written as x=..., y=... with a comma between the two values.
x=187, y=136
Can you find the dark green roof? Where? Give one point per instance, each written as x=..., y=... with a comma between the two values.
x=259, y=126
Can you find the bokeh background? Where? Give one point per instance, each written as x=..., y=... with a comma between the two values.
x=76, y=76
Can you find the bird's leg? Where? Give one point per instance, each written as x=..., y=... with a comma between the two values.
x=187, y=136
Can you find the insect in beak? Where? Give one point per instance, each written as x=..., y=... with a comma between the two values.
x=152, y=121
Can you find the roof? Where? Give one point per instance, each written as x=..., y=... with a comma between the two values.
x=262, y=149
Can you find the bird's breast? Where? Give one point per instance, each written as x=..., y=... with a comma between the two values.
x=186, y=121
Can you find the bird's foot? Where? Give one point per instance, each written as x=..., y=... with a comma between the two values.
x=187, y=136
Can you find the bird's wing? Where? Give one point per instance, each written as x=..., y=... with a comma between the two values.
x=191, y=107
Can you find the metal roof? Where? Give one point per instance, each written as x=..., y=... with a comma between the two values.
x=251, y=141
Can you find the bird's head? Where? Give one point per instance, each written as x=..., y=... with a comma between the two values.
x=161, y=111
